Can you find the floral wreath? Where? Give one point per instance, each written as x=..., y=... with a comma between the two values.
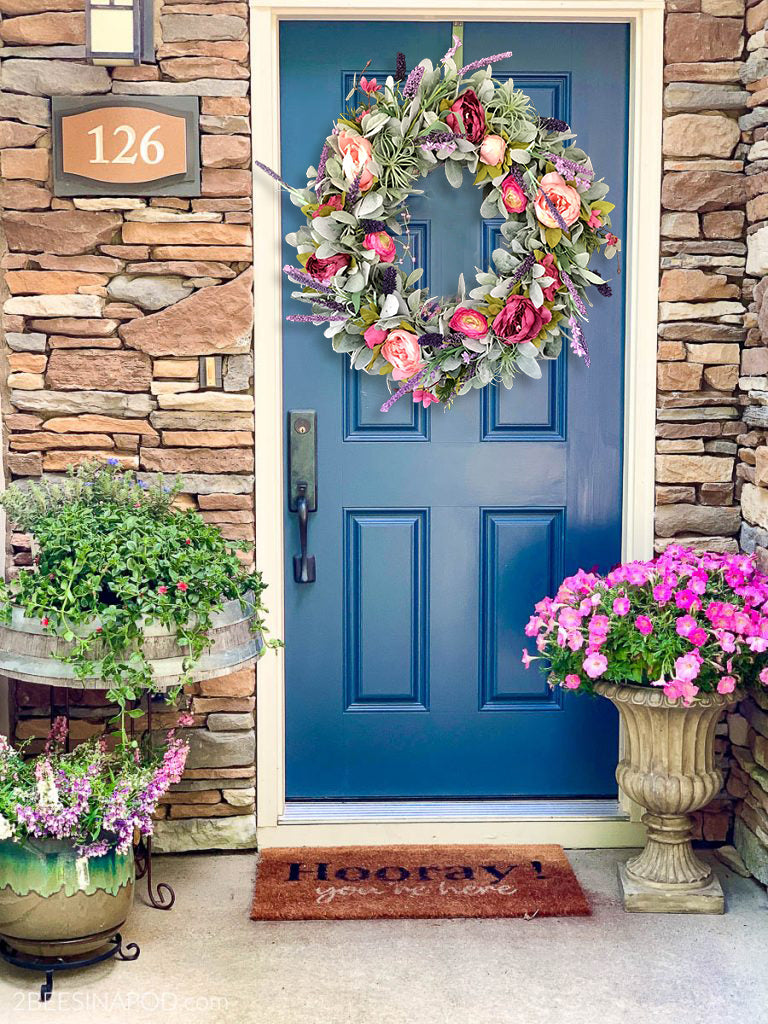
x=354, y=246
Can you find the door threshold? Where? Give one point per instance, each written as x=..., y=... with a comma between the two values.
x=330, y=812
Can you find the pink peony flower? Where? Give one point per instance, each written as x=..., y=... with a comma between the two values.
x=374, y=336
x=595, y=664
x=471, y=116
x=382, y=244
x=512, y=195
x=563, y=197
x=356, y=154
x=727, y=684
x=644, y=625
x=548, y=262
x=621, y=606
x=469, y=322
x=325, y=269
x=328, y=206
x=492, y=150
x=402, y=350
x=572, y=681
x=520, y=320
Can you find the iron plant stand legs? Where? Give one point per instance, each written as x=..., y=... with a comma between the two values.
x=163, y=897
x=49, y=965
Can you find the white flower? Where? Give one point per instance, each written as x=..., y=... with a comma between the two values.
x=6, y=829
x=47, y=794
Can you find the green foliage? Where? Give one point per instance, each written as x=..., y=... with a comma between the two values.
x=114, y=555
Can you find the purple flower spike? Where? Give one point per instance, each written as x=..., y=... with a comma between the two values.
x=321, y=170
x=605, y=290
x=302, y=277
x=554, y=211
x=388, y=280
x=413, y=82
x=523, y=269
x=484, y=62
x=577, y=299
x=554, y=125
x=273, y=174
x=314, y=318
x=408, y=386
x=401, y=69
x=578, y=344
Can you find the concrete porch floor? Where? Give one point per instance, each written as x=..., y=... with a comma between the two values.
x=205, y=962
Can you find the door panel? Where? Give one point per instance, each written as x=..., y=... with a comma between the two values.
x=437, y=531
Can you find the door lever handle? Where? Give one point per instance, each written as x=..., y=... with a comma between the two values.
x=304, y=568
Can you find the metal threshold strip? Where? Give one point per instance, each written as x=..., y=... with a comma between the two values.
x=310, y=812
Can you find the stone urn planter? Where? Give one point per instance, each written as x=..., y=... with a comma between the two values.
x=31, y=653
x=668, y=767
x=55, y=903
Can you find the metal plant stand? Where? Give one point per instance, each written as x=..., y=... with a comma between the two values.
x=50, y=965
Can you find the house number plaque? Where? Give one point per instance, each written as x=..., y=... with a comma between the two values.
x=126, y=146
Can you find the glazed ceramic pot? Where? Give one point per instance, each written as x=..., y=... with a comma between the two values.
x=56, y=903
x=668, y=767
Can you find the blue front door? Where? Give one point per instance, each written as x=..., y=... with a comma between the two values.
x=437, y=531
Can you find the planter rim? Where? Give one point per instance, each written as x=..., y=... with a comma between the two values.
x=652, y=696
x=231, y=613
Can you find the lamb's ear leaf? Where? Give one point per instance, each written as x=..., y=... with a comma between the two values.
x=454, y=173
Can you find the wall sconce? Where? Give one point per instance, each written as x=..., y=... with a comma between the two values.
x=119, y=31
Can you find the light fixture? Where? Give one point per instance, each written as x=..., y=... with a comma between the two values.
x=119, y=31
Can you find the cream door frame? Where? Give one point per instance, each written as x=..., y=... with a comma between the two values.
x=564, y=823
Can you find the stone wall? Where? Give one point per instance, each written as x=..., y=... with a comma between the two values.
x=748, y=783
x=703, y=295
x=108, y=305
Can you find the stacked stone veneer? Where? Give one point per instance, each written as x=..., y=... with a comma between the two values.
x=108, y=305
x=748, y=783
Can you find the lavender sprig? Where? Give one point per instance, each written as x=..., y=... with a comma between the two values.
x=389, y=280
x=438, y=140
x=570, y=169
x=273, y=174
x=371, y=227
x=400, y=67
x=605, y=290
x=577, y=299
x=484, y=62
x=554, y=125
x=453, y=49
x=315, y=318
x=431, y=338
x=321, y=170
x=408, y=386
x=413, y=82
x=354, y=192
x=302, y=277
x=523, y=269
x=578, y=344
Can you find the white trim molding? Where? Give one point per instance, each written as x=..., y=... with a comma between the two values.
x=575, y=823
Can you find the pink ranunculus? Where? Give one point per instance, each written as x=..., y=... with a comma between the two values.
x=492, y=150
x=328, y=267
x=401, y=349
x=374, y=336
x=621, y=606
x=595, y=664
x=472, y=114
x=548, y=262
x=572, y=681
x=565, y=199
x=356, y=154
x=328, y=206
x=512, y=195
x=382, y=244
x=520, y=320
x=643, y=625
x=469, y=322
x=727, y=684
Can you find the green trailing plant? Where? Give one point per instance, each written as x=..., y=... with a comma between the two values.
x=113, y=555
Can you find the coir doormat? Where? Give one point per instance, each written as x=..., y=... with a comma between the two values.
x=364, y=882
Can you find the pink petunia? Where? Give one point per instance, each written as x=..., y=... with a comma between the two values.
x=688, y=667
x=527, y=659
x=698, y=637
x=572, y=681
x=727, y=684
x=595, y=664
x=764, y=676
x=685, y=625
x=621, y=606
x=662, y=593
x=644, y=625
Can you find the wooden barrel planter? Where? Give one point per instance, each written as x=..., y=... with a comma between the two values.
x=29, y=653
